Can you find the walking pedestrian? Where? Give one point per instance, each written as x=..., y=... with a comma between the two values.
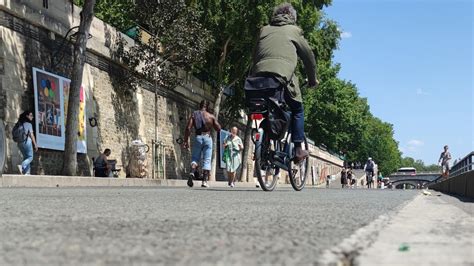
x=24, y=136
x=444, y=159
x=232, y=147
x=379, y=180
x=203, y=122
x=343, y=177
x=351, y=178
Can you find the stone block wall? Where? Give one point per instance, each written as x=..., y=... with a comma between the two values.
x=31, y=36
x=121, y=117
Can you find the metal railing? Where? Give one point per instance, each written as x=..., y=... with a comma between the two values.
x=463, y=166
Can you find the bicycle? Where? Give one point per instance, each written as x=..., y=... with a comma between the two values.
x=274, y=154
x=369, y=178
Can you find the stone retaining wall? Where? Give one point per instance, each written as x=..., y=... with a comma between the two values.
x=31, y=36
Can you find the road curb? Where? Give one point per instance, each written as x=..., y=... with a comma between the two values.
x=425, y=230
x=43, y=181
x=346, y=252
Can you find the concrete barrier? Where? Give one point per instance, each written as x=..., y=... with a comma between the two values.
x=470, y=186
x=461, y=185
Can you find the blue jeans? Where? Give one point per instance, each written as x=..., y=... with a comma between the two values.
x=297, y=118
x=202, y=146
x=26, y=149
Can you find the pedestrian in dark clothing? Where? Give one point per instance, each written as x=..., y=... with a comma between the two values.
x=102, y=166
x=343, y=177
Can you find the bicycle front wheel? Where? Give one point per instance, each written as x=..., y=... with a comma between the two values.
x=298, y=173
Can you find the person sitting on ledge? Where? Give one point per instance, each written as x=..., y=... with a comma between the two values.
x=102, y=167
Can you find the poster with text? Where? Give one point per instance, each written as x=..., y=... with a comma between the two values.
x=48, y=110
x=51, y=98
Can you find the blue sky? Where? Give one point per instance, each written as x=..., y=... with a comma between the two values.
x=413, y=60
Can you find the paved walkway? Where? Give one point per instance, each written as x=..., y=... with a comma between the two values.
x=432, y=229
x=427, y=231
x=182, y=226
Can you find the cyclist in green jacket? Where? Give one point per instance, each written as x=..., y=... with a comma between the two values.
x=278, y=47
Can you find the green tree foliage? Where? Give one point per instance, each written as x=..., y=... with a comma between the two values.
x=235, y=26
x=117, y=13
x=377, y=142
x=335, y=113
x=177, y=42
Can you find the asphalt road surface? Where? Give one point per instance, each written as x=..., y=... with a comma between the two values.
x=181, y=226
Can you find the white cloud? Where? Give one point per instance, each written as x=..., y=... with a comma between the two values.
x=415, y=143
x=346, y=35
x=422, y=92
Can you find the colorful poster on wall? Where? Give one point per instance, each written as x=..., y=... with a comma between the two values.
x=48, y=110
x=81, y=133
x=50, y=106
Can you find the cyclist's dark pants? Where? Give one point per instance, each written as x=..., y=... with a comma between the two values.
x=297, y=116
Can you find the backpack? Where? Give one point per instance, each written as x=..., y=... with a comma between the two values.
x=258, y=89
x=265, y=94
x=18, y=133
x=370, y=165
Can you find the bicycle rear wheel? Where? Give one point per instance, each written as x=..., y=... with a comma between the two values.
x=267, y=172
x=298, y=173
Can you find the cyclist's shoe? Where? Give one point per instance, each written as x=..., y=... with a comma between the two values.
x=205, y=184
x=190, y=180
x=300, y=155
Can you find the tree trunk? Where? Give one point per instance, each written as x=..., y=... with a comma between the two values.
x=245, y=154
x=217, y=109
x=70, y=148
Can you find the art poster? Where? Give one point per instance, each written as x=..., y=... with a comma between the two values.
x=81, y=127
x=51, y=97
x=48, y=110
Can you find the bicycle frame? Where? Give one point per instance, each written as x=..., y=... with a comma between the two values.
x=282, y=147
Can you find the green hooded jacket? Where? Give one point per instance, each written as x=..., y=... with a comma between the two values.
x=277, y=51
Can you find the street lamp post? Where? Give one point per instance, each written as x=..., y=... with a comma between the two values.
x=62, y=46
